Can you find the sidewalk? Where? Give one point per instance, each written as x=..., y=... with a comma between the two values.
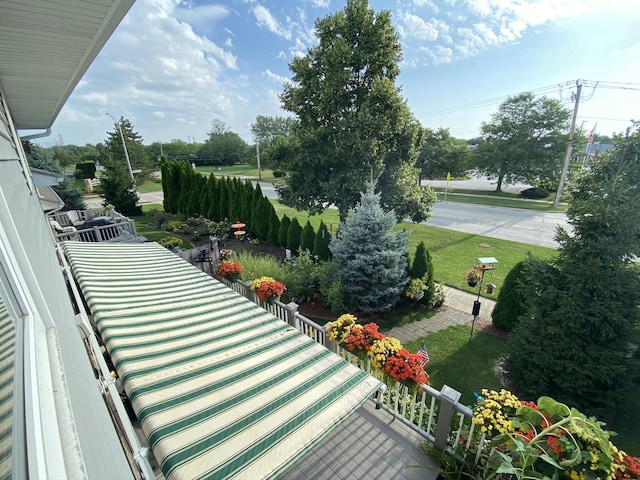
x=456, y=310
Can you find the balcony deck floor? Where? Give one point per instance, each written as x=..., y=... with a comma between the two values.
x=370, y=444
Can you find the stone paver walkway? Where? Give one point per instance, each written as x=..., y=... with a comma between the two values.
x=456, y=310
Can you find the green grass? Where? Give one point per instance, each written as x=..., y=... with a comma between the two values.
x=145, y=225
x=154, y=185
x=501, y=202
x=243, y=171
x=466, y=366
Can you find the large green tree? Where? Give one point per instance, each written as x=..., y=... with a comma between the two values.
x=573, y=343
x=442, y=154
x=370, y=257
x=223, y=147
x=352, y=125
x=524, y=141
x=266, y=131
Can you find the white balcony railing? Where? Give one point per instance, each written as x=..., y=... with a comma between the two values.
x=94, y=226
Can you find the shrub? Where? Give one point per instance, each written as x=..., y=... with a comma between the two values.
x=535, y=193
x=171, y=242
x=173, y=226
x=510, y=303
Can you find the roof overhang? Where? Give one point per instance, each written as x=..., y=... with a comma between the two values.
x=45, y=49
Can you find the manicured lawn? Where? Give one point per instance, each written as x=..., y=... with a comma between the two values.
x=466, y=366
x=470, y=366
x=484, y=199
x=452, y=252
x=242, y=171
x=150, y=186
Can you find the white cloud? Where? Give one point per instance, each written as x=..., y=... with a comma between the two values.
x=200, y=15
x=320, y=3
x=275, y=77
x=266, y=20
x=416, y=27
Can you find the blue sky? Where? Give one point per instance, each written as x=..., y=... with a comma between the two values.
x=172, y=66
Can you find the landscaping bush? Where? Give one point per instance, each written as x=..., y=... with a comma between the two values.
x=535, y=193
x=171, y=242
x=510, y=303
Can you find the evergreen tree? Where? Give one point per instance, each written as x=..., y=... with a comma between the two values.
x=512, y=299
x=307, y=237
x=138, y=155
x=117, y=189
x=274, y=227
x=422, y=267
x=212, y=197
x=370, y=258
x=293, y=235
x=255, y=220
x=264, y=209
x=195, y=194
x=223, y=201
x=419, y=267
x=236, y=198
x=246, y=197
x=185, y=187
x=321, y=242
x=573, y=342
x=285, y=223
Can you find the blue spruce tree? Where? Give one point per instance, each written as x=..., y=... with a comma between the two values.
x=370, y=258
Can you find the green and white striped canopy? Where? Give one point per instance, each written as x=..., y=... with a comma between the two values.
x=222, y=388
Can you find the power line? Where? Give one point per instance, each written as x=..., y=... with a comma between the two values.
x=537, y=91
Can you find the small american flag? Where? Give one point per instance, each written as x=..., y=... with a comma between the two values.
x=422, y=353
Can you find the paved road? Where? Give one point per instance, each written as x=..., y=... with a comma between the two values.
x=525, y=226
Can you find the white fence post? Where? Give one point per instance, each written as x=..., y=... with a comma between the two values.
x=448, y=399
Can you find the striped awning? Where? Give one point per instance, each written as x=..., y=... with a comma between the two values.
x=221, y=387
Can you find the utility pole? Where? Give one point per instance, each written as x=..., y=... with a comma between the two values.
x=567, y=158
x=258, y=157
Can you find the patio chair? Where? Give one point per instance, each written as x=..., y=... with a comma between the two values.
x=60, y=229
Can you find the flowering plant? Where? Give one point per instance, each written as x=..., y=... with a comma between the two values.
x=473, y=275
x=405, y=366
x=338, y=330
x=227, y=268
x=267, y=287
x=538, y=440
x=226, y=254
x=416, y=289
x=382, y=350
x=362, y=337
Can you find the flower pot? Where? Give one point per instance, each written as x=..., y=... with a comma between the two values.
x=272, y=300
x=472, y=284
x=233, y=278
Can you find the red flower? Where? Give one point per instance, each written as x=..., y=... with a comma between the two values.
x=406, y=366
x=227, y=268
x=362, y=337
